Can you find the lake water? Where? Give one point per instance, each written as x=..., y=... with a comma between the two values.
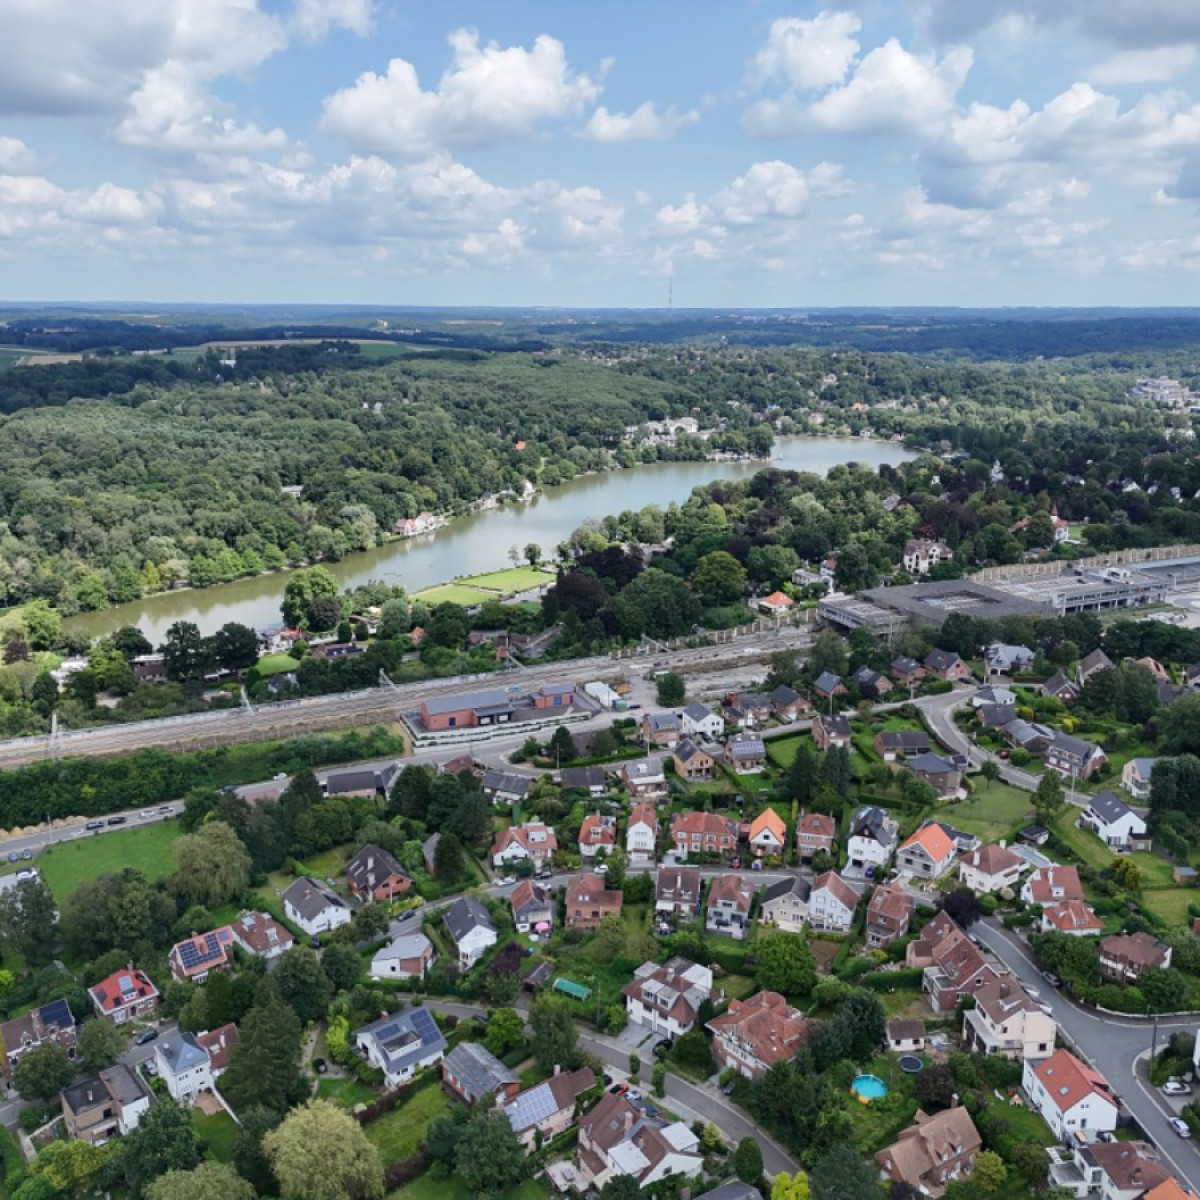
x=480, y=542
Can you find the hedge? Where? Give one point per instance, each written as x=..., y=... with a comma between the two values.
x=886, y=981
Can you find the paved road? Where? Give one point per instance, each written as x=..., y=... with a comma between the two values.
x=1112, y=1045
x=73, y=828
x=938, y=712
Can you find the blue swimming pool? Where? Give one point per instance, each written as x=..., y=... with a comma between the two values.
x=868, y=1088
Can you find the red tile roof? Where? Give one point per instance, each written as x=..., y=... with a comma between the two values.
x=1068, y=1081
x=934, y=840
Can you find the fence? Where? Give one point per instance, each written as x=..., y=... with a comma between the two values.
x=1116, y=558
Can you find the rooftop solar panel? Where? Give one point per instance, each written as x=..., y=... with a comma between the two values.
x=532, y=1106
x=424, y=1025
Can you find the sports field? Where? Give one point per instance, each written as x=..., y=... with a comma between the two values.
x=148, y=848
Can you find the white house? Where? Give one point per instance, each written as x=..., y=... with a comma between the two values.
x=1070, y=1096
x=989, y=869
x=1003, y=659
x=1052, y=885
x=618, y=1137
x=532, y=842
x=314, y=907
x=698, y=721
x=873, y=837
x=401, y=1045
x=1135, y=777
x=667, y=999
x=768, y=833
x=641, y=838
x=471, y=929
x=831, y=903
x=184, y=1066
x=1115, y=823
x=1007, y=1020
x=407, y=956
x=928, y=854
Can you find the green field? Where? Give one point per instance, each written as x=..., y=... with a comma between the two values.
x=453, y=1188
x=346, y=1092
x=218, y=1132
x=276, y=664
x=1171, y=903
x=148, y=848
x=515, y=579
x=992, y=810
x=398, y=1134
x=782, y=750
x=453, y=593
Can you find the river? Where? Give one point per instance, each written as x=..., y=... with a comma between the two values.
x=480, y=541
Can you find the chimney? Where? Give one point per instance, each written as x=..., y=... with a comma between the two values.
x=1003, y=843
x=557, y=1069
x=954, y=1100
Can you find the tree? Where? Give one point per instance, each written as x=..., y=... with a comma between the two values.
x=448, y=858
x=1048, y=798
x=555, y=1041
x=838, y=772
x=212, y=866
x=43, y=693
x=989, y=770
x=130, y=642
x=803, y=773
x=785, y=964
x=235, y=646
x=988, y=1172
x=935, y=1087
x=208, y=1181
x=342, y=966
x=505, y=1031
x=962, y=905
x=489, y=1157
x=827, y=653
x=670, y=689
x=748, y=1161
x=790, y=1187
x=264, y=1069
x=658, y=1078
x=302, y=983
x=324, y=613
x=100, y=1044
x=28, y=917
x=854, y=570
x=533, y=554
x=43, y=1072
x=165, y=1140
x=1127, y=874
x=621, y=1187
x=657, y=605
x=320, y=1152
x=42, y=623
x=303, y=587
x=719, y=578
x=562, y=746
x=248, y=1156
x=842, y=1173
x=186, y=654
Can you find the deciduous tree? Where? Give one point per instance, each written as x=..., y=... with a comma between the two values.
x=208, y=1181
x=43, y=1072
x=320, y=1152
x=212, y=866
x=100, y=1043
x=785, y=964
x=748, y=1161
x=489, y=1157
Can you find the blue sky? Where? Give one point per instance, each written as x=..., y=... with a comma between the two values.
x=744, y=152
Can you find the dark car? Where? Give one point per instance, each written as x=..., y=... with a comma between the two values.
x=661, y=1048
x=94, y=825
x=116, y=820
x=320, y=1066
x=145, y=1037
x=14, y=857
x=728, y=1089
x=607, y=1080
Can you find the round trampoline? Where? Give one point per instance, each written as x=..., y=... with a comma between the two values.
x=910, y=1064
x=868, y=1088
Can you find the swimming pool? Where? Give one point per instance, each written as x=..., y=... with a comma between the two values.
x=868, y=1088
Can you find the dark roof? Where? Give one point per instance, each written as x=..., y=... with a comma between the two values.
x=181, y=1052
x=584, y=777
x=1109, y=807
x=311, y=898
x=686, y=750
x=343, y=782
x=905, y=739
x=904, y=665
x=826, y=682
x=792, y=885
x=930, y=764
x=732, y=1189
x=836, y=725
x=941, y=660
x=1076, y=747
x=495, y=698
x=783, y=695
x=997, y=715
x=864, y=676
x=1059, y=682
x=506, y=781
x=477, y=1069
x=870, y=822
x=464, y=915
x=371, y=866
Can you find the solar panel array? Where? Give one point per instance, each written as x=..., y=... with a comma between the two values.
x=197, y=951
x=424, y=1025
x=532, y=1106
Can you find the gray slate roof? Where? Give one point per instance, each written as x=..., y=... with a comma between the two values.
x=477, y=1069
x=407, y=1037
x=464, y=915
x=311, y=898
x=697, y=712
x=371, y=866
x=181, y=1052
x=930, y=764
x=908, y=740
x=793, y=885
x=1109, y=807
x=826, y=682
x=941, y=660
x=494, y=698
x=584, y=777
x=506, y=781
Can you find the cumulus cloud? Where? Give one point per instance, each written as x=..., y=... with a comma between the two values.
x=645, y=124
x=15, y=155
x=775, y=190
x=489, y=94
x=1145, y=66
x=809, y=54
x=313, y=19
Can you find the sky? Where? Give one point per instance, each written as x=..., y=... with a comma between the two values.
x=717, y=153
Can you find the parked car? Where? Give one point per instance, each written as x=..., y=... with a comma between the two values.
x=165, y=809
x=756, y=865
x=1180, y=1126
x=728, y=1089
x=145, y=1037
x=150, y=1067
x=320, y=1066
x=116, y=820
x=619, y=1089
x=14, y=857
x=661, y=1048
x=508, y=879
x=1052, y=979
x=607, y=1080
x=1176, y=1087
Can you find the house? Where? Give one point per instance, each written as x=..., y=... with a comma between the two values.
x=677, y=891
x=751, y=1035
x=928, y=854
x=533, y=842
x=1111, y=1171
x=893, y=744
x=957, y=969
x=945, y=664
x=815, y=832
x=1007, y=1020
x=363, y=782
x=788, y=704
x=907, y=672
x=920, y=554
x=619, y=1137
x=692, y=763
x=932, y=1152
x=1052, y=885
x=830, y=730
x=51, y=1022
x=940, y=773
x=964, y=842
x=748, y=710
x=745, y=754
x=993, y=693
x=699, y=722
x=831, y=903
x=667, y=999
x=183, y=1065
x=460, y=764
x=471, y=1071
x=261, y=935
x=104, y=1106
x=553, y=695
x=1091, y=663
x=407, y=956
x=548, y=1108
x=1171, y=1189
x=150, y=668
x=470, y=929
x=1126, y=957
x=785, y=904
x=919, y=952
x=313, y=907
x=1028, y=736
x=989, y=869
x=589, y=901
x=192, y=959
x=641, y=835
x=1070, y=1096
x=505, y=787
x=1135, y=777
x=1115, y=823
x=827, y=685
x=589, y=779
x=888, y=914
x=644, y=778
x=532, y=907
x=777, y=604
x=374, y=874
x=996, y=716
x=660, y=729
x=1073, y=757
x=905, y=1036
x=1155, y=668
x=1072, y=917
x=872, y=838
x=467, y=710
x=125, y=994
x=1002, y=659
x=401, y=1044
x=768, y=833
x=730, y=899
x=871, y=685
x=597, y=834
x=1062, y=687
x=703, y=833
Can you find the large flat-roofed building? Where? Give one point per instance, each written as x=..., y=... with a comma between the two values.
x=1090, y=591
x=848, y=612
x=467, y=710
x=932, y=603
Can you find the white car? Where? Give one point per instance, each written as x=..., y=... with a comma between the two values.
x=508, y=879
x=1180, y=1126
x=1176, y=1087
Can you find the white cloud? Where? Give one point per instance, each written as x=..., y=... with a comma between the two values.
x=1145, y=66
x=313, y=19
x=15, y=155
x=645, y=123
x=35, y=208
x=812, y=54
x=681, y=218
x=488, y=95
x=775, y=190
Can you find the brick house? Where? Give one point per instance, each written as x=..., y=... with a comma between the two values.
x=124, y=995
x=660, y=729
x=644, y=778
x=907, y=672
x=945, y=664
x=940, y=773
x=693, y=763
x=1072, y=757
x=958, y=969
x=192, y=959
x=597, y=834
x=589, y=901
x=753, y=1034
x=933, y=1151
x=1126, y=957
x=745, y=754
x=893, y=744
x=51, y=1022
x=375, y=874
x=888, y=914
x=831, y=730
x=815, y=832
x=703, y=833
x=548, y=1107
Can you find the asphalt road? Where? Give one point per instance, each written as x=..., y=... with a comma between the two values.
x=938, y=712
x=1112, y=1045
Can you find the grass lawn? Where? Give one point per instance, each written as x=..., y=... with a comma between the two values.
x=453, y=1188
x=453, y=593
x=1085, y=843
x=398, y=1134
x=68, y=864
x=1024, y=1125
x=218, y=1131
x=782, y=750
x=276, y=664
x=345, y=1092
x=992, y=811
x=1171, y=903
x=516, y=579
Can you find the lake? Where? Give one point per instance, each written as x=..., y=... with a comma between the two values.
x=480, y=541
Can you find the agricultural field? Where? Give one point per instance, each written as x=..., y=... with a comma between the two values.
x=454, y=593
x=148, y=848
